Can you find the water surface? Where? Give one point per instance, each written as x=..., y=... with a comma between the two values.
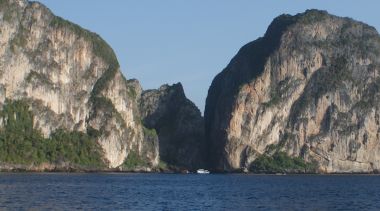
x=60, y=191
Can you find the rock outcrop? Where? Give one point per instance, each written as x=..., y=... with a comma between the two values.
x=178, y=123
x=309, y=87
x=71, y=79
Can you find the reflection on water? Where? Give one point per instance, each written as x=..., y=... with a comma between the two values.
x=188, y=192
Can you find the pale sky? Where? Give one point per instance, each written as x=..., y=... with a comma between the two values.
x=189, y=41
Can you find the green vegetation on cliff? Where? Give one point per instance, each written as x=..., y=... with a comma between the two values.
x=149, y=132
x=280, y=162
x=133, y=161
x=105, y=106
x=21, y=143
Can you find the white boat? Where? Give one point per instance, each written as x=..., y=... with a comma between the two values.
x=203, y=171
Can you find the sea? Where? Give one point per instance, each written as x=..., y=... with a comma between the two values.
x=132, y=191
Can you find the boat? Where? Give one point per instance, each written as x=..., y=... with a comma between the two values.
x=280, y=174
x=203, y=171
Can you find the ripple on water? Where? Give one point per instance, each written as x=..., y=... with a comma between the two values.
x=188, y=192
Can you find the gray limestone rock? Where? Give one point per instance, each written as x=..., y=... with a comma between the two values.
x=309, y=86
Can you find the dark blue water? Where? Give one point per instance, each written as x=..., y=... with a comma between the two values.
x=188, y=192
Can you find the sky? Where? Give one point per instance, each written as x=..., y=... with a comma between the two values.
x=170, y=41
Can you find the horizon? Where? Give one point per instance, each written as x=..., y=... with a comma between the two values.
x=187, y=48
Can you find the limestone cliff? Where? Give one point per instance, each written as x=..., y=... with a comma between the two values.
x=309, y=87
x=178, y=123
x=71, y=79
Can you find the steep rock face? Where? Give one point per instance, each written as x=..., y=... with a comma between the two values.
x=178, y=123
x=309, y=87
x=71, y=78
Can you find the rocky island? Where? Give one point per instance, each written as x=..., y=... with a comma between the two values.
x=302, y=98
x=67, y=106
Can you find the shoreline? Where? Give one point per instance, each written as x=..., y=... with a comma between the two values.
x=21, y=171
x=67, y=168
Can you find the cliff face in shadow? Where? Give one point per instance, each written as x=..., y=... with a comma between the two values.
x=178, y=123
